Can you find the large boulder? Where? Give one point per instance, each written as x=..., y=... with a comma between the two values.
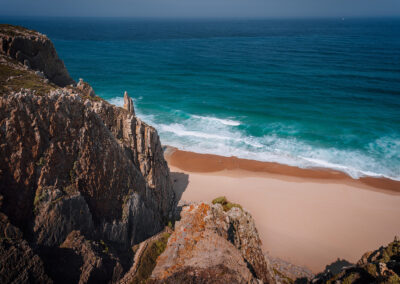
x=210, y=245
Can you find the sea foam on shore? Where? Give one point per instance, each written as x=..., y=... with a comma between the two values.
x=226, y=137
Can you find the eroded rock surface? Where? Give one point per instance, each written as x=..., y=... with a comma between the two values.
x=128, y=103
x=210, y=245
x=76, y=173
x=71, y=146
x=18, y=262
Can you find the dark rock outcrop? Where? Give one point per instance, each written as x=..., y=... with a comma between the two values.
x=18, y=262
x=78, y=260
x=35, y=51
x=379, y=266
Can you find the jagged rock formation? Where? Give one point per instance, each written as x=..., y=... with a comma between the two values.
x=61, y=152
x=85, y=89
x=35, y=51
x=210, y=245
x=379, y=266
x=75, y=172
x=128, y=103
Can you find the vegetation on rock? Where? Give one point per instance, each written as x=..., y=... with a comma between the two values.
x=148, y=260
x=225, y=203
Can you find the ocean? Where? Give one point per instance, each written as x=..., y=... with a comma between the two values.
x=305, y=92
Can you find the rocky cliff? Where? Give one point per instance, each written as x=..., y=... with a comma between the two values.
x=71, y=162
x=85, y=192
x=378, y=266
x=35, y=51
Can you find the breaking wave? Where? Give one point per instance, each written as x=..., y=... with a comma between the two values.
x=224, y=136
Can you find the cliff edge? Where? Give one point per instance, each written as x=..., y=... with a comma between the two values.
x=35, y=51
x=71, y=162
x=85, y=192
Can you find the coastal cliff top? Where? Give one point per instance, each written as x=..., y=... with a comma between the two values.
x=11, y=30
x=35, y=51
x=14, y=76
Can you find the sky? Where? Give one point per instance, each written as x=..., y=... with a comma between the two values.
x=201, y=8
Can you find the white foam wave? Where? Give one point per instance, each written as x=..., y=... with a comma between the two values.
x=353, y=172
x=272, y=148
x=203, y=134
x=220, y=120
x=117, y=101
x=179, y=130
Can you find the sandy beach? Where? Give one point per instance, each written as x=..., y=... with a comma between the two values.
x=309, y=217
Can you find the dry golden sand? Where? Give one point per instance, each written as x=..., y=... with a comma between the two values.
x=307, y=217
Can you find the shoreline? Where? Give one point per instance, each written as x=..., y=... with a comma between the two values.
x=307, y=217
x=215, y=164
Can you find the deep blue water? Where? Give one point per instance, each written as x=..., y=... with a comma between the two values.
x=301, y=92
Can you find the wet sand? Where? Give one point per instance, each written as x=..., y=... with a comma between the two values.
x=309, y=217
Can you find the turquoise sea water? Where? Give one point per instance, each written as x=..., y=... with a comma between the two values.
x=309, y=93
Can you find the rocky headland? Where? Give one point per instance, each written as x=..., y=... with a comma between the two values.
x=86, y=195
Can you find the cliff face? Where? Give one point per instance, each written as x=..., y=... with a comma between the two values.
x=35, y=51
x=71, y=162
x=64, y=155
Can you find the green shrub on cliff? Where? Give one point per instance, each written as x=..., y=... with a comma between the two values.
x=226, y=204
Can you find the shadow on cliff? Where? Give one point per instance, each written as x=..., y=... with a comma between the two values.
x=180, y=182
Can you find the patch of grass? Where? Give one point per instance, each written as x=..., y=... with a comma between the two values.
x=226, y=204
x=12, y=30
x=93, y=99
x=21, y=79
x=149, y=257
